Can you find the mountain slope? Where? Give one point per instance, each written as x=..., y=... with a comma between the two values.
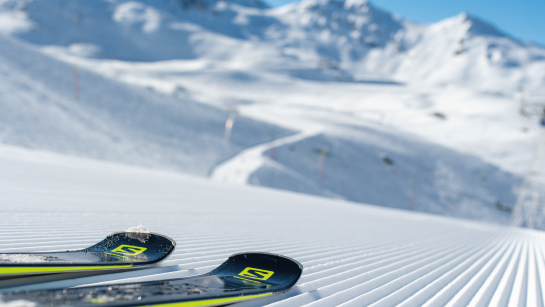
x=389, y=169
x=465, y=51
x=110, y=120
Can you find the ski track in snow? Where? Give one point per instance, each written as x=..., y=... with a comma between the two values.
x=353, y=254
x=239, y=168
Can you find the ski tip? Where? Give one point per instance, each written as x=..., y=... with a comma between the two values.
x=268, y=255
x=122, y=250
x=274, y=272
x=135, y=247
x=145, y=236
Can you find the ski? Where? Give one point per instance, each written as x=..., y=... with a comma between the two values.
x=242, y=277
x=121, y=250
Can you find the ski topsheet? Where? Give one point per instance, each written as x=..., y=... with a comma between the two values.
x=243, y=276
x=117, y=251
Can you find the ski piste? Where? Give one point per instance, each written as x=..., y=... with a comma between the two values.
x=121, y=250
x=242, y=277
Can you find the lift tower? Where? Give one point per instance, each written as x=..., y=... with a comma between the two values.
x=529, y=210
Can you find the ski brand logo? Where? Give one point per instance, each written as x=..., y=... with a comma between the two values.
x=128, y=250
x=256, y=273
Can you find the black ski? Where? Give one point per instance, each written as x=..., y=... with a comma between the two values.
x=118, y=251
x=242, y=277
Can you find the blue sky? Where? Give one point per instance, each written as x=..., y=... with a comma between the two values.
x=522, y=19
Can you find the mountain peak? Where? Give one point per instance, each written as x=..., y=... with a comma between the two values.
x=341, y=22
x=211, y=3
x=477, y=26
x=356, y=3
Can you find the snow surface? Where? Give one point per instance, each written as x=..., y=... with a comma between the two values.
x=18, y=303
x=137, y=229
x=353, y=254
x=22, y=258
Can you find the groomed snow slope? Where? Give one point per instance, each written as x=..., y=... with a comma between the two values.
x=353, y=254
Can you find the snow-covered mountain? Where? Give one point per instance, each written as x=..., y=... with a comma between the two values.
x=346, y=40
x=346, y=100
x=371, y=44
